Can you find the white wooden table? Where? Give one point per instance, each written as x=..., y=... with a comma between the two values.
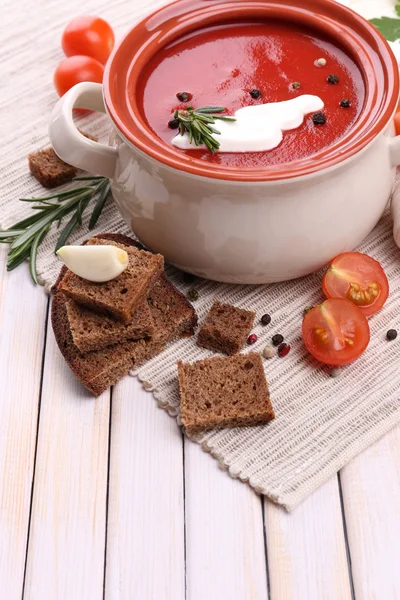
x=105, y=499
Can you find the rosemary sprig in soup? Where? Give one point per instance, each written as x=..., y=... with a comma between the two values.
x=197, y=123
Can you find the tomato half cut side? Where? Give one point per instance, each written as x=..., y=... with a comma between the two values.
x=358, y=278
x=336, y=332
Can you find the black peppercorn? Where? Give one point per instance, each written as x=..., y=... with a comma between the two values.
x=391, y=335
x=184, y=96
x=277, y=339
x=319, y=118
x=345, y=103
x=296, y=85
x=193, y=295
x=173, y=123
x=266, y=319
x=255, y=94
x=332, y=79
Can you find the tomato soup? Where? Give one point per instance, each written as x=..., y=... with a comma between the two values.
x=222, y=65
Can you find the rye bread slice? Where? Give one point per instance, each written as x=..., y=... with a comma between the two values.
x=49, y=169
x=224, y=392
x=173, y=316
x=91, y=331
x=226, y=328
x=120, y=297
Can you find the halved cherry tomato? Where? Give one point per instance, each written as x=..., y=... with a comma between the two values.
x=360, y=279
x=397, y=122
x=76, y=69
x=335, y=332
x=88, y=36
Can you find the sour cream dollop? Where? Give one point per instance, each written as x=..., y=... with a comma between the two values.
x=260, y=127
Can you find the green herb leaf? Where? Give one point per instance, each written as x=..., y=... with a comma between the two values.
x=389, y=27
x=34, y=250
x=74, y=221
x=100, y=202
x=26, y=236
x=197, y=124
x=210, y=109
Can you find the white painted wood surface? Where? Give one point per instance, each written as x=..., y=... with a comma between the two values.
x=371, y=497
x=22, y=329
x=225, y=555
x=306, y=550
x=145, y=535
x=65, y=559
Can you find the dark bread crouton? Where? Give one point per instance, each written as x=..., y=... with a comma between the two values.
x=91, y=331
x=120, y=297
x=49, y=169
x=224, y=392
x=172, y=315
x=225, y=328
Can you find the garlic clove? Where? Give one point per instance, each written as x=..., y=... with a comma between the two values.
x=94, y=263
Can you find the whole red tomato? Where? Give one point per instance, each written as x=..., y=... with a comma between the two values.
x=76, y=69
x=88, y=36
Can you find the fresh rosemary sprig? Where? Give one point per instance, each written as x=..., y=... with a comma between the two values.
x=26, y=236
x=197, y=123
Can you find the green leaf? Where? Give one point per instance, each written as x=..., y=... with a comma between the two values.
x=225, y=118
x=34, y=249
x=389, y=28
x=14, y=262
x=9, y=234
x=100, y=202
x=397, y=9
x=59, y=195
x=210, y=109
x=70, y=226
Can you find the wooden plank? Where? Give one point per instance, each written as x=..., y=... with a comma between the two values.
x=306, y=549
x=225, y=554
x=22, y=326
x=145, y=533
x=67, y=536
x=371, y=498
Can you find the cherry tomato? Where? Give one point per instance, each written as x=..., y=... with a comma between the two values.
x=360, y=279
x=397, y=122
x=88, y=36
x=76, y=69
x=335, y=332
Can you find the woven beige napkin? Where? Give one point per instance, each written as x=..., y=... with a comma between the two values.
x=321, y=422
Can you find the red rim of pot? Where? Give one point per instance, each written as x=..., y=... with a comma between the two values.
x=355, y=35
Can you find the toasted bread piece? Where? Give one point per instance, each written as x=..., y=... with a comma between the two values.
x=173, y=316
x=49, y=169
x=225, y=328
x=120, y=297
x=91, y=331
x=224, y=392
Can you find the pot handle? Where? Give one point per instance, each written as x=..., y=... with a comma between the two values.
x=69, y=144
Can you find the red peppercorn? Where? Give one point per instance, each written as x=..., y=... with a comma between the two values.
x=283, y=349
x=252, y=339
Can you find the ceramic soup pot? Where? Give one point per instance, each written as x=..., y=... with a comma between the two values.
x=253, y=225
